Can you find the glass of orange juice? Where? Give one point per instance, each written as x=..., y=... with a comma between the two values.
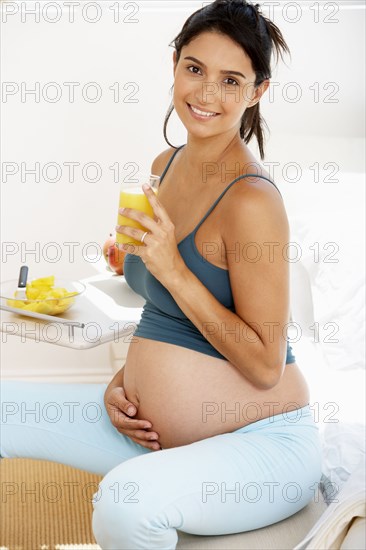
x=132, y=196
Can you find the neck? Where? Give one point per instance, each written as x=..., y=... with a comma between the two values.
x=203, y=159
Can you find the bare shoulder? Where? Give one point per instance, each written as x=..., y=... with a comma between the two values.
x=254, y=201
x=252, y=189
x=160, y=162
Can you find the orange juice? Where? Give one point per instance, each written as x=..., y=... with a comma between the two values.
x=134, y=197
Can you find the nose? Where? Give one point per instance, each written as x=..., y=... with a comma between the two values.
x=208, y=94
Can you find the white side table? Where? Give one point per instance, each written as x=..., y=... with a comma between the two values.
x=107, y=311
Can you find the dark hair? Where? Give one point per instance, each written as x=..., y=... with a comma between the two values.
x=256, y=34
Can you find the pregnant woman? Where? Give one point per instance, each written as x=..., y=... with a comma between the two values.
x=221, y=438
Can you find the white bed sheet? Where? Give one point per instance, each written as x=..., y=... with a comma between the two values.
x=337, y=400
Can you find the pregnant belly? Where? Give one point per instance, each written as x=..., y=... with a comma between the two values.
x=189, y=396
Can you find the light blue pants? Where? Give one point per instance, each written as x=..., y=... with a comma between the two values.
x=229, y=483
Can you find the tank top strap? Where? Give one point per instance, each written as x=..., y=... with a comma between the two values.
x=223, y=193
x=169, y=163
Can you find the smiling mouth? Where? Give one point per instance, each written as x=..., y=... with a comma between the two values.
x=199, y=112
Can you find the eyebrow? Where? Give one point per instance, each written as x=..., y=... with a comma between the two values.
x=205, y=67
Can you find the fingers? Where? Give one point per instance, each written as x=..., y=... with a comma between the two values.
x=137, y=215
x=129, y=408
x=118, y=399
x=152, y=446
x=159, y=227
x=140, y=434
x=119, y=419
x=145, y=220
x=158, y=208
x=135, y=424
x=135, y=429
x=142, y=437
x=119, y=411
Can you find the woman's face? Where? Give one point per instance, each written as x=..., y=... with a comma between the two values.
x=202, y=83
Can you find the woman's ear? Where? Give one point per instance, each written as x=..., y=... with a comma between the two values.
x=259, y=92
x=174, y=61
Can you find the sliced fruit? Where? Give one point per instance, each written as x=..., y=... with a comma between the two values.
x=44, y=281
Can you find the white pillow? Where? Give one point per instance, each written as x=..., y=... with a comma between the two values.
x=327, y=222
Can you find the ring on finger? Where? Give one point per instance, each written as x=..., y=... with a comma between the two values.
x=144, y=236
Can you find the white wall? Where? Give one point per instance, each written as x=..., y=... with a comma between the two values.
x=328, y=56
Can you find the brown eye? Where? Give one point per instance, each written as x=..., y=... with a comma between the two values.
x=192, y=67
x=235, y=82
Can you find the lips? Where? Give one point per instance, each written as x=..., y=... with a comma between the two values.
x=201, y=116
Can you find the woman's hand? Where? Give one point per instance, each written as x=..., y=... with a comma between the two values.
x=159, y=250
x=117, y=407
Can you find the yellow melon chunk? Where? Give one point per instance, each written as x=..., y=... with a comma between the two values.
x=32, y=293
x=39, y=307
x=15, y=303
x=44, y=281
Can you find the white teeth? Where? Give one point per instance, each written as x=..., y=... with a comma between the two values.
x=201, y=112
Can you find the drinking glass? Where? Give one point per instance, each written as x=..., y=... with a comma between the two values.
x=132, y=196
